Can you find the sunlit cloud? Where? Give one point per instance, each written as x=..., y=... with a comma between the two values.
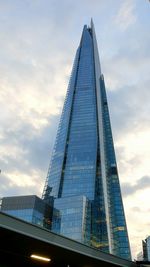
x=137, y=216
x=134, y=160
x=20, y=183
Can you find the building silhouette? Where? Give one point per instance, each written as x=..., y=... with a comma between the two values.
x=82, y=177
x=144, y=255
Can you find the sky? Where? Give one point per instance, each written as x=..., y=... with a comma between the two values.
x=38, y=42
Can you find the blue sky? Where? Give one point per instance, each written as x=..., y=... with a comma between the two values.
x=37, y=47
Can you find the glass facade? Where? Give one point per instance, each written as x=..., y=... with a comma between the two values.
x=28, y=208
x=29, y=215
x=82, y=177
x=68, y=218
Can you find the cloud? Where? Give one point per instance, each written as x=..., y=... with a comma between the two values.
x=141, y=184
x=136, y=209
x=126, y=15
x=18, y=184
x=25, y=156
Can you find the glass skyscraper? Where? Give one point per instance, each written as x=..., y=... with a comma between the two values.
x=82, y=177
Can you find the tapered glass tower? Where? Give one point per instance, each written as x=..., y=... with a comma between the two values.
x=83, y=177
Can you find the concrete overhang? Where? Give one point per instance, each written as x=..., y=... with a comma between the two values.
x=20, y=239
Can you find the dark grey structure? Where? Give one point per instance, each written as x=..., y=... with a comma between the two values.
x=144, y=255
x=146, y=248
x=19, y=240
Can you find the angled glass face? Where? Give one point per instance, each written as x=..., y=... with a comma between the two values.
x=81, y=152
x=68, y=217
x=116, y=212
x=29, y=215
x=24, y=214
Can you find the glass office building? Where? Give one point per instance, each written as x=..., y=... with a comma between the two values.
x=28, y=208
x=83, y=177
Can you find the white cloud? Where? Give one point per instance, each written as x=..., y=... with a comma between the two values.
x=133, y=150
x=134, y=161
x=126, y=15
x=16, y=181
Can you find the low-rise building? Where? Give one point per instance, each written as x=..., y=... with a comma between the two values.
x=29, y=208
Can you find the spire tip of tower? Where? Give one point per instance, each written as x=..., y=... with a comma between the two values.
x=92, y=23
